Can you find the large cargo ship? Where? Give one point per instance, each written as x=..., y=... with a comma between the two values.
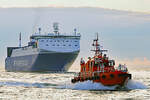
x=49, y=52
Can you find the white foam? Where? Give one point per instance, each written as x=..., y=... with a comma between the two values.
x=132, y=84
x=89, y=85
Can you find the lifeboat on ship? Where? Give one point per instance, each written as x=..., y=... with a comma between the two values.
x=100, y=69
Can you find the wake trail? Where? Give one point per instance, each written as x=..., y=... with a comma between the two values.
x=89, y=85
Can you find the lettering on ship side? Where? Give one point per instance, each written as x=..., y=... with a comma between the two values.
x=21, y=63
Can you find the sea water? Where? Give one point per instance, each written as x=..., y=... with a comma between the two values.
x=58, y=86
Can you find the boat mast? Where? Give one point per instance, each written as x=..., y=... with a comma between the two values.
x=97, y=50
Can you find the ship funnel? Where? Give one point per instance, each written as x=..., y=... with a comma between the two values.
x=56, y=28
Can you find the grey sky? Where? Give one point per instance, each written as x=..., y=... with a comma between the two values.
x=131, y=5
x=125, y=34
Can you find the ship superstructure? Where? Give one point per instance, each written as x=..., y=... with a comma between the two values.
x=45, y=52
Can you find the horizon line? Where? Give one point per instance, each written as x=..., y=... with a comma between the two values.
x=131, y=11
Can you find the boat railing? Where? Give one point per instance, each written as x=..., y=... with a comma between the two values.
x=122, y=68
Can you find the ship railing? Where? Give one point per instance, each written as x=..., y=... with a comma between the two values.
x=122, y=68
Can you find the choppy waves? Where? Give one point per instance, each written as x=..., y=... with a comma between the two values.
x=89, y=85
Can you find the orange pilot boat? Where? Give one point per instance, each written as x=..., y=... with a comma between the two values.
x=100, y=69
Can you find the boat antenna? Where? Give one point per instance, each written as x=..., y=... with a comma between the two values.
x=75, y=31
x=56, y=28
x=97, y=45
x=97, y=50
x=20, y=40
x=40, y=30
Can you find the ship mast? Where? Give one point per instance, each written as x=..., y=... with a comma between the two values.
x=97, y=49
x=20, y=40
x=56, y=28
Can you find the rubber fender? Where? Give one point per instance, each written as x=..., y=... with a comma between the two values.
x=130, y=76
x=73, y=81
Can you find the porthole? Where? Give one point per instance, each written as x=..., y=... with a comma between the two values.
x=112, y=75
x=103, y=76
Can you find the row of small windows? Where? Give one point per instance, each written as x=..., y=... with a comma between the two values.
x=57, y=41
x=59, y=45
